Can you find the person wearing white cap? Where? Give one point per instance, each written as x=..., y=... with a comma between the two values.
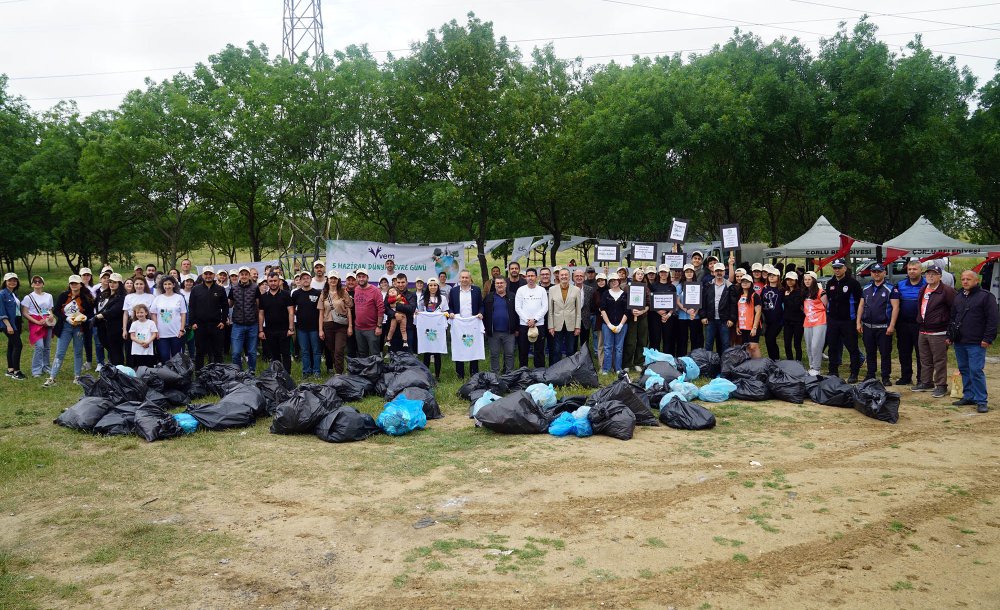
x=717, y=316
x=814, y=304
x=72, y=309
x=369, y=309
x=36, y=308
x=662, y=321
x=10, y=317
x=244, y=301
x=688, y=319
x=208, y=311
x=637, y=336
x=794, y=316
x=614, y=314
x=697, y=258
x=772, y=302
x=108, y=314
x=758, y=277
x=318, y=276
x=307, y=323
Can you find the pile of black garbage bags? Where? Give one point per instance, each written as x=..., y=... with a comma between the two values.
x=117, y=403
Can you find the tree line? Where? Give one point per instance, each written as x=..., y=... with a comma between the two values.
x=464, y=138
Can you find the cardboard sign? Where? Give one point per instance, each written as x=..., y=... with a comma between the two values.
x=607, y=253
x=663, y=302
x=678, y=230
x=730, y=236
x=637, y=296
x=644, y=251
x=692, y=295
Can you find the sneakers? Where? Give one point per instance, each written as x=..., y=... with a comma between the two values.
x=852, y=379
x=940, y=392
x=406, y=345
x=18, y=375
x=813, y=372
x=903, y=381
x=99, y=367
x=963, y=402
x=76, y=380
x=983, y=409
x=887, y=382
x=86, y=366
x=49, y=383
x=638, y=369
x=921, y=387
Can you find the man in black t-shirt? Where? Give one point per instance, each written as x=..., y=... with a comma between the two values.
x=276, y=321
x=305, y=300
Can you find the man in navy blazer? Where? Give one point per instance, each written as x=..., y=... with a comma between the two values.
x=466, y=300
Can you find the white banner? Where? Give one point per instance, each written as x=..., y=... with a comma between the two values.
x=413, y=260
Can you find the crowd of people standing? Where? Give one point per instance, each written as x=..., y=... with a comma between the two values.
x=533, y=318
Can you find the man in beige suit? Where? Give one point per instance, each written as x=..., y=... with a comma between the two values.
x=565, y=301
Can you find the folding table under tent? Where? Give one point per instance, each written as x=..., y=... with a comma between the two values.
x=923, y=239
x=821, y=240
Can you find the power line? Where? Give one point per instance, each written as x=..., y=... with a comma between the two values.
x=99, y=73
x=897, y=15
x=73, y=97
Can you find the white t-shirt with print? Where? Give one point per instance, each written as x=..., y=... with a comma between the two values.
x=168, y=310
x=43, y=302
x=131, y=300
x=143, y=332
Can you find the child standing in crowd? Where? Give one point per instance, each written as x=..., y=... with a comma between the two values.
x=143, y=333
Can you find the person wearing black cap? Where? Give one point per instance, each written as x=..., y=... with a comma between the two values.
x=877, y=315
x=844, y=295
x=208, y=310
x=934, y=316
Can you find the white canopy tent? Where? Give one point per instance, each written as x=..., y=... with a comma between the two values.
x=924, y=239
x=823, y=239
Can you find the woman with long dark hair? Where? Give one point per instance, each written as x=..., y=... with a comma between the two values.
x=11, y=324
x=108, y=314
x=614, y=314
x=433, y=300
x=814, y=324
x=73, y=309
x=169, y=312
x=688, y=322
x=141, y=295
x=637, y=336
x=794, y=316
x=748, y=314
x=335, y=321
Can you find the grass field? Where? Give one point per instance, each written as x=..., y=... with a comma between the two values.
x=843, y=510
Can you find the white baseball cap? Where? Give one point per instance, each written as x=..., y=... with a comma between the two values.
x=664, y=267
x=244, y=268
x=75, y=279
x=208, y=269
x=319, y=263
x=756, y=267
x=86, y=271
x=688, y=266
x=115, y=277
x=791, y=275
x=9, y=276
x=718, y=267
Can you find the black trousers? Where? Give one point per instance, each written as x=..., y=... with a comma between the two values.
x=437, y=364
x=460, y=368
x=523, y=344
x=208, y=341
x=14, y=344
x=771, y=332
x=907, y=335
x=112, y=342
x=842, y=334
x=278, y=347
x=793, y=339
x=661, y=334
x=877, y=343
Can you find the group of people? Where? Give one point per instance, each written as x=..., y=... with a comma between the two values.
x=536, y=317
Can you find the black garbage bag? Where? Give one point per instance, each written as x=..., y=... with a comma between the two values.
x=177, y=398
x=369, y=367
x=239, y=408
x=117, y=387
x=709, y=363
x=182, y=368
x=654, y=395
x=785, y=387
x=431, y=408
x=85, y=414
x=521, y=378
x=404, y=360
x=152, y=381
x=299, y=414
x=612, y=418
x=516, y=413
x=664, y=369
x=215, y=376
x=578, y=369
x=326, y=394
x=156, y=398
x=567, y=405
x=475, y=395
x=350, y=387
x=346, y=424
x=197, y=390
x=155, y=424
x=872, y=399
x=633, y=397
x=832, y=392
x=732, y=357
x=793, y=368
x=409, y=377
x=685, y=415
x=482, y=381
x=119, y=420
x=758, y=368
x=750, y=388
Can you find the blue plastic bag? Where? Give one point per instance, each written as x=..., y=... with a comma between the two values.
x=654, y=380
x=687, y=390
x=582, y=413
x=666, y=398
x=402, y=416
x=717, y=390
x=544, y=394
x=126, y=369
x=187, y=422
x=691, y=368
x=484, y=400
x=651, y=355
x=566, y=424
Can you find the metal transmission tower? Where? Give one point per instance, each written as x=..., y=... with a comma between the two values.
x=302, y=30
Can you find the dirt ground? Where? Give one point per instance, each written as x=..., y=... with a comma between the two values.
x=781, y=505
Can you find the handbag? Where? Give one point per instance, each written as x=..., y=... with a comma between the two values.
x=49, y=320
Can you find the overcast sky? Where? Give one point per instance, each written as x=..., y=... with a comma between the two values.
x=136, y=38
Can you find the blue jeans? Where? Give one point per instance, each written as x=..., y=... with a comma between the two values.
x=98, y=348
x=716, y=330
x=40, y=359
x=168, y=347
x=971, y=359
x=563, y=344
x=245, y=335
x=311, y=349
x=74, y=334
x=613, y=346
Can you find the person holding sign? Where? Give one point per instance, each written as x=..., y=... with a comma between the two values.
x=662, y=321
x=748, y=312
x=688, y=325
x=717, y=317
x=638, y=328
x=614, y=314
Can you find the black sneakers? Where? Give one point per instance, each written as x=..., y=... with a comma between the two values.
x=922, y=387
x=940, y=392
x=962, y=402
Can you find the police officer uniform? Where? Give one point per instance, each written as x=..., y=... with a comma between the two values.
x=876, y=319
x=843, y=296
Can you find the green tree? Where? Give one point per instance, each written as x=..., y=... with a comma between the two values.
x=18, y=130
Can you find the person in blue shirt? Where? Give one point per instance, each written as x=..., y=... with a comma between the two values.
x=907, y=331
x=876, y=322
